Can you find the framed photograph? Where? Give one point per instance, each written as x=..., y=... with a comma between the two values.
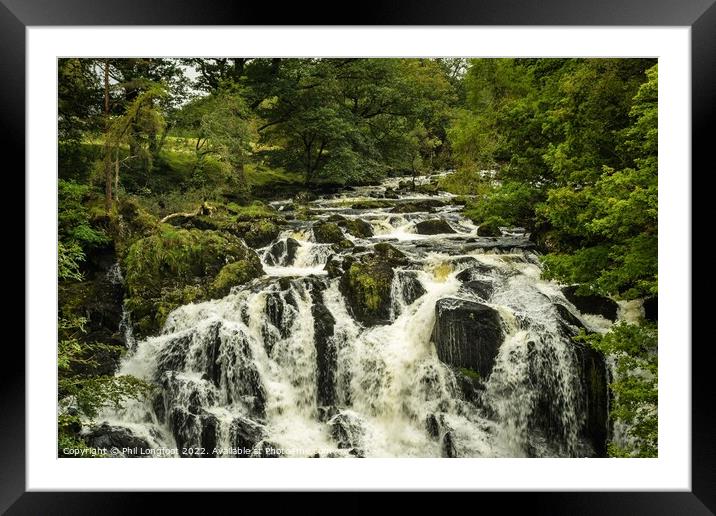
x=453, y=242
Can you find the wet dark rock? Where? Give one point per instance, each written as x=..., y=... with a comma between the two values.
x=569, y=322
x=357, y=452
x=591, y=304
x=326, y=413
x=347, y=430
x=433, y=426
x=651, y=309
x=172, y=356
x=244, y=434
x=336, y=265
x=372, y=204
x=433, y=227
x=212, y=341
x=278, y=313
x=123, y=439
x=208, y=439
x=447, y=447
x=501, y=244
x=282, y=252
x=467, y=334
x=390, y=194
x=323, y=326
x=304, y=197
x=470, y=384
x=187, y=429
x=344, y=245
x=267, y=450
x=412, y=288
x=593, y=377
x=482, y=288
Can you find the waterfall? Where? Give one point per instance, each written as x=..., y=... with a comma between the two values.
x=282, y=366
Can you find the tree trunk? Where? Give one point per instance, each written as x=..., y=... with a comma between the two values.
x=116, y=175
x=107, y=150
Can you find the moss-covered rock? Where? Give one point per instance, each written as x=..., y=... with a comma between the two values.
x=359, y=228
x=356, y=227
x=233, y=274
x=418, y=206
x=372, y=204
x=327, y=233
x=179, y=266
x=490, y=228
x=259, y=233
x=132, y=223
x=344, y=245
x=366, y=283
x=433, y=227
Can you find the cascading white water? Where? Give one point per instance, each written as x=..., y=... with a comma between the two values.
x=281, y=364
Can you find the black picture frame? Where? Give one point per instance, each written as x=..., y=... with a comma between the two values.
x=700, y=15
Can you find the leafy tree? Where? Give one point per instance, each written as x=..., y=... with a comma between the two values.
x=616, y=217
x=228, y=131
x=574, y=144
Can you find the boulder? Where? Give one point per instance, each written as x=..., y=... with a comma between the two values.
x=195, y=434
x=327, y=232
x=481, y=288
x=117, y=437
x=467, y=334
x=591, y=304
x=347, y=430
x=244, y=434
x=366, y=283
x=489, y=229
x=433, y=227
x=447, y=446
x=258, y=233
x=420, y=205
x=359, y=228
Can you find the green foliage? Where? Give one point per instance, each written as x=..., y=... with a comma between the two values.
x=467, y=180
x=510, y=203
x=349, y=119
x=81, y=395
x=575, y=145
x=74, y=224
x=635, y=351
x=69, y=257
